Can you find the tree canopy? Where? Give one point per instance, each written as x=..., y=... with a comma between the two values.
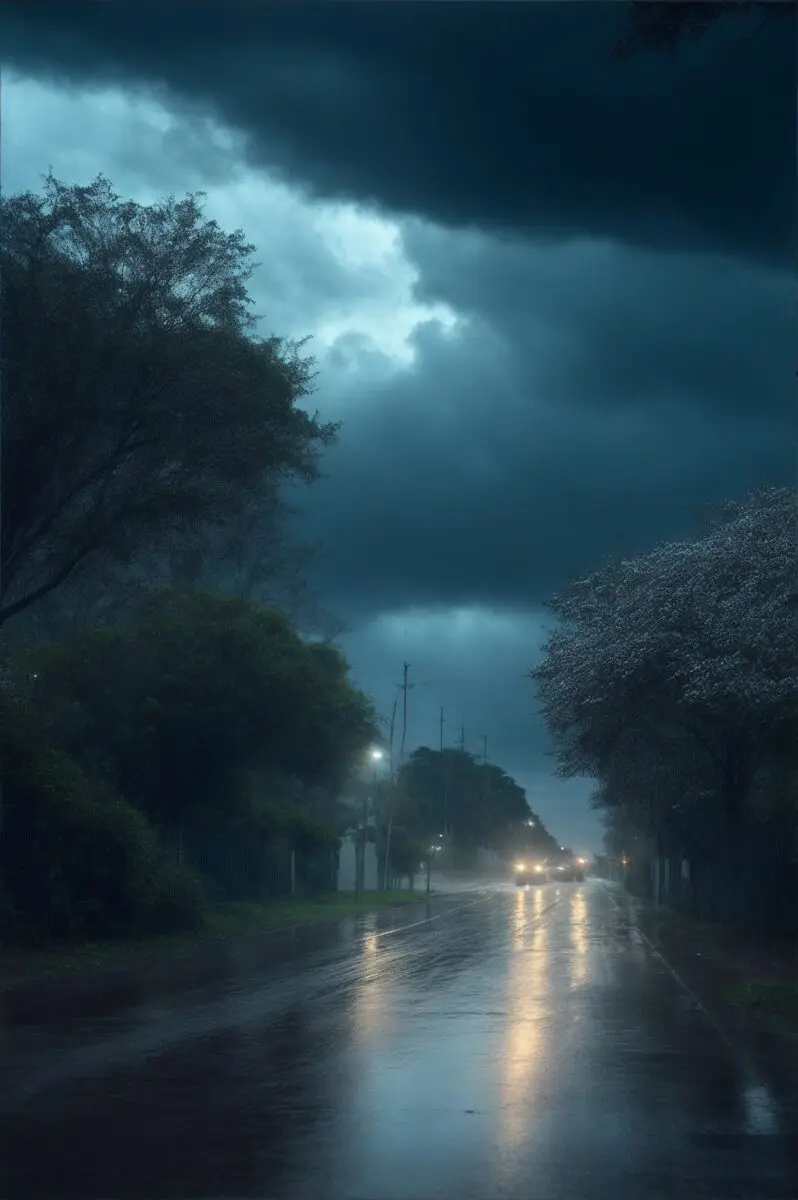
x=672, y=677
x=175, y=705
x=141, y=408
x=478, y=803
x=166, y=726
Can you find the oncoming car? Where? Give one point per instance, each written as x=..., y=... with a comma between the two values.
x=570, y=870
x=565, y=870
x=526, y=873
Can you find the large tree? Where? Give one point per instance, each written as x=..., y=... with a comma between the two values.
x=479, y=803
x=673, y=677
x=141, y=407
x=201, y=705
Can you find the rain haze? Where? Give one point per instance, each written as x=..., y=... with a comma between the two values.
x=548, y=294
x=381, y=381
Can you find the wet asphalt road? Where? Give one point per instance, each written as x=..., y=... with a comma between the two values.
x=522, y=1043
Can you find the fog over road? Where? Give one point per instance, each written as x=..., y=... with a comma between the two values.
x=498, y=1043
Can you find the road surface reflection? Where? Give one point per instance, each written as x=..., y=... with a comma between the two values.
x=521, y=1042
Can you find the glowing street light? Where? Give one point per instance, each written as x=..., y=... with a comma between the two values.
x=375, y=756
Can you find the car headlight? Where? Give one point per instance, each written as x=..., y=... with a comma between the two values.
x=520, y=866
x=539, y=867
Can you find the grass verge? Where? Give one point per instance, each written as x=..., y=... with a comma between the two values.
x=227, y=922
x=231, y=919
x=754, y=978
x=768, y=998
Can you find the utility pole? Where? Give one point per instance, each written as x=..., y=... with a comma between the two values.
x=445, y=797
x=462, y=739
x=360, y=851
x=386, y=868
x=360, y=845
x=485, y=765
x=392, y=729
x=446, y=767
x=403, y=688
x=404, y=685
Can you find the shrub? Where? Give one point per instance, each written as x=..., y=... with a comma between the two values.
x=78, y=860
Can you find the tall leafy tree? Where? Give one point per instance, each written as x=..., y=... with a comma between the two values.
x=480, y=803
x=141, y=406
x=673, y=677
x=177, y=706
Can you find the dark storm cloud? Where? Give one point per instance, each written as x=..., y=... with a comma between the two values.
x=502, y=115
x=604, y=232
x=593, y=400
x=620, y=328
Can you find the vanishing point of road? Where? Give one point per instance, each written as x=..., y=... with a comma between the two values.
x=498, y=1043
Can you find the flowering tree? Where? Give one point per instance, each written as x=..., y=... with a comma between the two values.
x=672, y=676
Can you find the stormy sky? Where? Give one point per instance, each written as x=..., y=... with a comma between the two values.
x=549, y=292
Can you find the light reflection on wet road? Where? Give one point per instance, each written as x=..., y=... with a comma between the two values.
x=524, y=1043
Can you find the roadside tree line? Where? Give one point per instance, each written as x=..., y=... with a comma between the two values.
x=173, y=725
x=202, y=738
x=176, y=727
x=671, y=678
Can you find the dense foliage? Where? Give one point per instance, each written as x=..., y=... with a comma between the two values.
x=472, y=803
x=672, y=678
x=141, y=409
x=204, y=721
x=78, y=860
x=166, y=733
x=196, y=688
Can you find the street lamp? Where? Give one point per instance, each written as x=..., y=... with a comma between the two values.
x=375, y=755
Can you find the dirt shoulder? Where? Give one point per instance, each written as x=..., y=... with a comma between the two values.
x=748, y=984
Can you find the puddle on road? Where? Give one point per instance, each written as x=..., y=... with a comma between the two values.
x=761, y=1113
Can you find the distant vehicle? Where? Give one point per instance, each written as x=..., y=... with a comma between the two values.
x=571, y=870
x=561, y=870
x=534, y=872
